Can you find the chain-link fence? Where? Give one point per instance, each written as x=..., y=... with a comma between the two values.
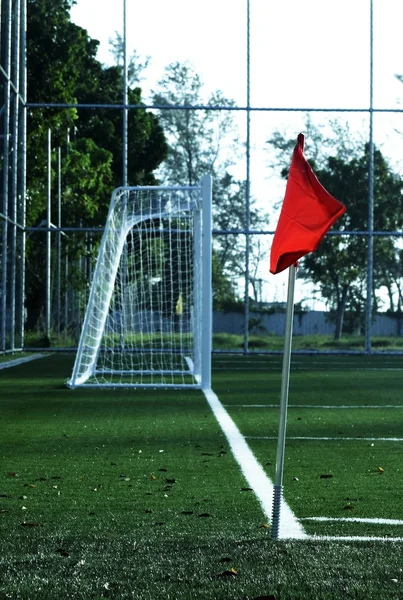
x=349, y=294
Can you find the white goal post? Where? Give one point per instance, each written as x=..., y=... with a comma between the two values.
x=148, y=321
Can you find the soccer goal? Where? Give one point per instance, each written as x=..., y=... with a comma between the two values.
x=148, y=321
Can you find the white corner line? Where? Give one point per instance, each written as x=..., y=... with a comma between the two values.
x=254, y=474
x=19, y=361
x=317, y=406
x=374, y=521
x=353, y=538
x=328, y=439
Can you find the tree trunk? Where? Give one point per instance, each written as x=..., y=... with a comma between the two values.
x=340, y=313
x=390, y=296
x=399, y=308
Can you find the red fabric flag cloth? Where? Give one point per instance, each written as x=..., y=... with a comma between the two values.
x=307, y=213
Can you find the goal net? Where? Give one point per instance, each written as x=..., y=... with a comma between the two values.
x=148, y=319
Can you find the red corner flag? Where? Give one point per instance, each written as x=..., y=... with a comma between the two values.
x=307, y=213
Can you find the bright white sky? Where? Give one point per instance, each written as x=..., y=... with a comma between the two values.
x=304, y=53
x=312, y=53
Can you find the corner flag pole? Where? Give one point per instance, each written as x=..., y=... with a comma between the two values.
x=307, y=213
x=285, y=381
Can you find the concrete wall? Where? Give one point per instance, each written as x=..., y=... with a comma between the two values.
x=310, y=323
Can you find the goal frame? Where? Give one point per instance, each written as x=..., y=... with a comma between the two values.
x=200, y=367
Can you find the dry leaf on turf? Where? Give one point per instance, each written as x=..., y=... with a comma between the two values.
x=230, y=573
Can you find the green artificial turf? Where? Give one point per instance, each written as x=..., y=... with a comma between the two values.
x=135, y=494
x=11, y=356
x=87, y=465
x=344, y=399
x=233, y=342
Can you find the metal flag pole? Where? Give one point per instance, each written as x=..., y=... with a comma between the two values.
x=285, y=381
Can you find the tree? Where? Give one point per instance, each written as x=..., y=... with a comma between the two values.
x=87, y=178
x=338, y=267
x=135, y=65
x=62, y=68
x=196, y=138
x=54, y=53
x=332, y=138
x=204, y=140
x=147, y=144
x=340, y=160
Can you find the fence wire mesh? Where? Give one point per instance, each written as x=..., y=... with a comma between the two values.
x=349, y=295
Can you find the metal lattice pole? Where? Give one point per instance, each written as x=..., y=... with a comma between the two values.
x=6, y=166
x=370, y=264
x=15, y=106
x=247, y=190
x=125, y=97
x=58, y=241
x=48, y=237
x=21, y=218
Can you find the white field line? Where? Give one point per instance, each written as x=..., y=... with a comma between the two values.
x=354, y=538
x=325, y=439
x=356, y=520
x=19, y=361
x=302, y=361
x=346, y=367
x=344, y=407
x=378, y=521
x=303, y=367
x=253, y=471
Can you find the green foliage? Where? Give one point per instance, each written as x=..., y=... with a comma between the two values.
x=195, y=137
x=87, y=177
x=339, y=265
x=255, y=325
x=147, y=146
x=223, y=292
x=206, y=141
x=322, y=139
x=63, y=69
x=135, y=64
